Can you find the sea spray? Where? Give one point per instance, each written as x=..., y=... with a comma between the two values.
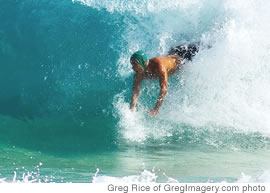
x=224, y=87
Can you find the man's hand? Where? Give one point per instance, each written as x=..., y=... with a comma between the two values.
x=133, y=109
x=152, y=112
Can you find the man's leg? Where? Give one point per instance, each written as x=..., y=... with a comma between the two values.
x=185, y=51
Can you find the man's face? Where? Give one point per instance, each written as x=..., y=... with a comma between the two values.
x=136, y=66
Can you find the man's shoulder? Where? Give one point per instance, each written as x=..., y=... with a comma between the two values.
x=157, y=61
x=161, y=59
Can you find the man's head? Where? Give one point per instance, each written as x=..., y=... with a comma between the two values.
x=139, y=61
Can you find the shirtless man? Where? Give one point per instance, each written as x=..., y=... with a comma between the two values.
x=157, y=68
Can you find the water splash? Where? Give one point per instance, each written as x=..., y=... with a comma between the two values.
x=26, y=176
x=150, y=177
x=225, y=87
x=145, y=177
x=263, y=178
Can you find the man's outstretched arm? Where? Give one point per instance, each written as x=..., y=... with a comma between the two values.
x=136, y=90
x=163, y=81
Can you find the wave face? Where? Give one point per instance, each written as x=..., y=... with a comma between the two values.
x=56, y=64
x=66, y=79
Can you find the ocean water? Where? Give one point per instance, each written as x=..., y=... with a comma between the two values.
x=66, y=83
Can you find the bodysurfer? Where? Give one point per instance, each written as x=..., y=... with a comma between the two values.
x=158, y=68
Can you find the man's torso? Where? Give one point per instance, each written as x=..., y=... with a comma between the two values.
x=170, y=63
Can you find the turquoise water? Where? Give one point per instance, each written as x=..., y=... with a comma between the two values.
x=66, y=82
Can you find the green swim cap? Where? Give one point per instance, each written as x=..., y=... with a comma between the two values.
x=140, y=56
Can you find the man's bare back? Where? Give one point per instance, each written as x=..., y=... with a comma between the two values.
x=170, y=63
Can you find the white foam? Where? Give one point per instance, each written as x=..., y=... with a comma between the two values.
x=150, y=177
x=263, y=178
x=226, y=86
x=144, y=177
x=134, y=125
